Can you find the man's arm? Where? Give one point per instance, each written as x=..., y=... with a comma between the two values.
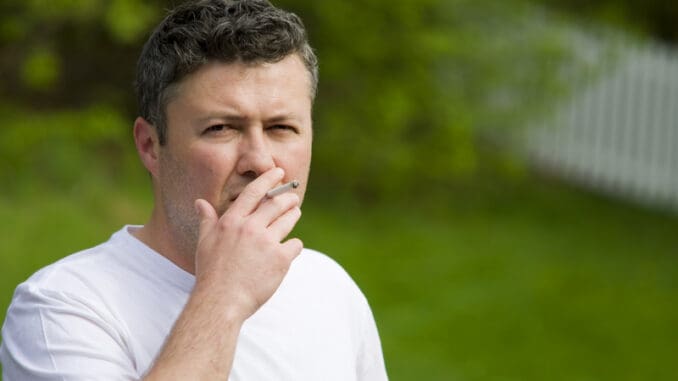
x=240, y=262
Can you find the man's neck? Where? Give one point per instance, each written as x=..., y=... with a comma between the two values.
x=158, y=235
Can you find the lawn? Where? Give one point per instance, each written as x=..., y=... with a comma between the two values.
x=527, y=282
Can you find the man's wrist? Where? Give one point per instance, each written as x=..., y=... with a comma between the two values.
x=231, y=308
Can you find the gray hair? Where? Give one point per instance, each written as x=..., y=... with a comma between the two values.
x=197, y=32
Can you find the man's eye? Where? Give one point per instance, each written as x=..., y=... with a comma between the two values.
x=282, y=127
x=215, y=128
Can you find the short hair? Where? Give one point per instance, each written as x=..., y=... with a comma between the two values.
x=198, y=32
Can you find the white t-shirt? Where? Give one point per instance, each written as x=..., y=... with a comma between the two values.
x=104, y=314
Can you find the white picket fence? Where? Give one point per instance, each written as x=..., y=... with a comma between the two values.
x=618, y=132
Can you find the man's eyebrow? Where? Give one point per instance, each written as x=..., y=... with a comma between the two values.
x=282, y=118
x=224, y=117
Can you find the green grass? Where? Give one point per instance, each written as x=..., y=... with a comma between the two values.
x=532, y=282
x=536, y=283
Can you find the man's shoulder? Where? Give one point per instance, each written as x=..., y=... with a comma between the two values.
x=81, y=270
x=324, y=272
x=319, y=262
x=316, y=257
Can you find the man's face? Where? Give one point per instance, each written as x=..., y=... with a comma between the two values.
x=226, y=125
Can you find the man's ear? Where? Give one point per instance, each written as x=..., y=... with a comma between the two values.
x=148, y=146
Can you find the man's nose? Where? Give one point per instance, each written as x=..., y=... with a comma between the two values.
x=255, y=156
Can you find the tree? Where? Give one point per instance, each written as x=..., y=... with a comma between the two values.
x=408, y=88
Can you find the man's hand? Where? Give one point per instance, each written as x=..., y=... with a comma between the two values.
x=240, y=257
x=240, y=262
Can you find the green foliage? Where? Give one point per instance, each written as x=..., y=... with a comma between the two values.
x=70, y=53
x=41, y=69
x=408, y=89
x=654, y=17
x=55, y=150
x=71, y=9
x=127, y=20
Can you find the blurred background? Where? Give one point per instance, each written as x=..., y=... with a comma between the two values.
x=498, y=176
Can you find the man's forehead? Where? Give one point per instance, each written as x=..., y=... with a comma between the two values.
x=241, y=92
x=238, y=69
x=224, y=72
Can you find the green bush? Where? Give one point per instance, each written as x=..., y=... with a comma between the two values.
x=58, y=149
x=408, y=90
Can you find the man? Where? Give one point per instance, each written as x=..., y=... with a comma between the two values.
x=209, y=288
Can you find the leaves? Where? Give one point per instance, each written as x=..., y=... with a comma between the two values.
x=41, y=69
x=407, y=89
x=128, y=20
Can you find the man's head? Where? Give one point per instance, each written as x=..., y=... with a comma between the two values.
x=227, y=31
x=226, y=90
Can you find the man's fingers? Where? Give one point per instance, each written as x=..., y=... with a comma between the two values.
x=271, y=209
x=255, y=191
x=292, y=248
x=284, y=224
x=207, y=215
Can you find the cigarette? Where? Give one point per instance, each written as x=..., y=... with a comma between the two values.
x=282, y=189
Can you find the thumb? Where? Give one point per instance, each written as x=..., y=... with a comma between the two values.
x=206, y=215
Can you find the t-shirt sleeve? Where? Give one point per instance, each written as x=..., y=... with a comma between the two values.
x=49, y=335
x=370, y=357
